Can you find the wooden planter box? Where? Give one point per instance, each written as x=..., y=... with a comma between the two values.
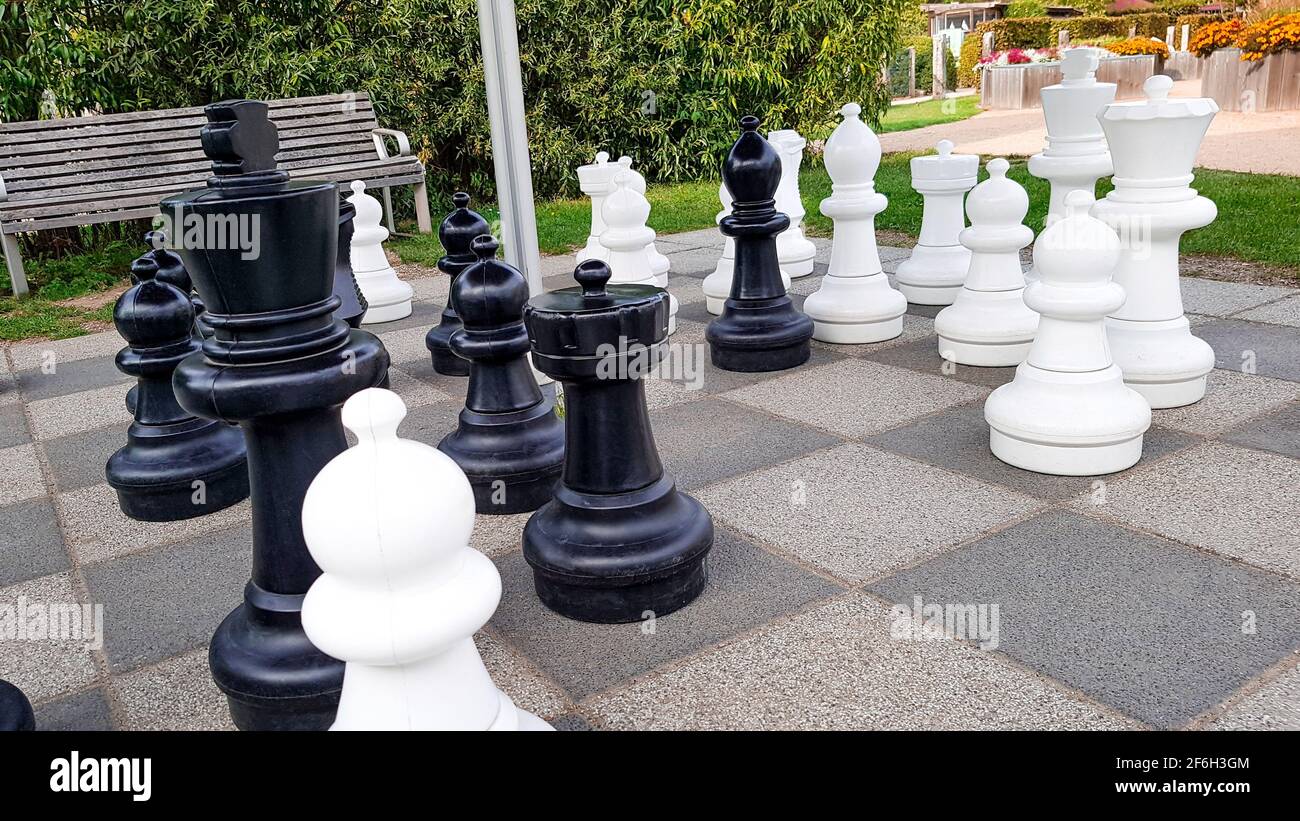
x=1018, y=86
x=1271, y=84
x=1183, y=65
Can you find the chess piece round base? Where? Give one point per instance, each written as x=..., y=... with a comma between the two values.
x=933, y=275
x=801, y=266
x=855, y=310
x=963, y=329
x=1067, y=424
x=438, y=341
x=512, y=460
x=157, y=474
x=15, y=710
x=1163, y=361
x=379, y=313
x=756, y=336
x=653, y=562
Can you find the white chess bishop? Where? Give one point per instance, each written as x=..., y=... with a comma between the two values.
x=855, y=303
x=402, y=593
x=717, y=285
x=596, y=180
x=989, y=325
x=1076, y=155
x=934, y=273
x=1068, y=411
x=1153, y=143
x=627, y=240
x=794, y=251
x=388, y=297
x=659, y=263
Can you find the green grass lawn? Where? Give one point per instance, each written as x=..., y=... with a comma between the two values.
x=930, y=112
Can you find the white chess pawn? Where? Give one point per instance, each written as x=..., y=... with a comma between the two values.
x=1153, y=143
x=988, y=324
x=388, y=297
x=717, y=285
x=659, y=262
x=1068, y=412
x=854, y=303
x=627, y=239
x=934, y=273
x=595, y=180
x=1076, y=155
x=794, y=251
x=402, y=592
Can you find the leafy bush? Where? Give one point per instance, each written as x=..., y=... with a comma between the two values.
x=1139, y=45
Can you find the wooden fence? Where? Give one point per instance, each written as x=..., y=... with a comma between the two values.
x=1271, y=84
x=1018, y=86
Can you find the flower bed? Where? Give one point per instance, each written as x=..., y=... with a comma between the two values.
x=1139, y=45
x=1018, y=85
x=1251, y=66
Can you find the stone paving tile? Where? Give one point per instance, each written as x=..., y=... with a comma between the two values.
x=914, y=328
x=702, y=442
x=685, y=288
x=47, y=666
x=1228, y=500
x=13, y=426
x=169, y=601
x=526, y=686
x=66, y=415
x=83, y=712
x=424, y=314
x=177, y=694
x=571, y=722
x=432, y=289
x=958, y=439
x=855, y=397
x=406, y=346
x=30, y=543
x=922, y=356
x=835, y=667
x=929, y=311
x=1271, y=350
x=496, y=536
x=416, y=393
x=704, y=238
x=1275, y=706
x=71, y=377
x=1213, y=298
x=715, y=380
x=429, y=424
x=747, y=587
x=97, y=529
x=1278, y=431
x=696, y=263
x=63, y=351
x=1230, y=398
x=9, y=393
x=1152, y=628
x=78, y=460
x=1283, y=312
x=857, y=512
x=20, y=475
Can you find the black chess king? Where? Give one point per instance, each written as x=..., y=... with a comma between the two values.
x=280, y=365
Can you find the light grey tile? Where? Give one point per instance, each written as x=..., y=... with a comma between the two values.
x=20, y=475
x=45, y=664
x=1283, y=312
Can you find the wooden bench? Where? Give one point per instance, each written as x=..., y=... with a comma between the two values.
x=117, y=167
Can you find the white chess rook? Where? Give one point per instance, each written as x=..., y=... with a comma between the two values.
x=855, y=303
x=595, y=179
x=1076, y=155
x=794, y=251
x=989, y=325
x=402, y=593
x=627, y=239
x=1153, y=143
x=934, y=273
x=717, y=285
x=1068, y=411
x=388, y=297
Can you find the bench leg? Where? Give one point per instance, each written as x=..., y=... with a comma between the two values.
x=388, y=209
x=422, y=218
x=14, y=261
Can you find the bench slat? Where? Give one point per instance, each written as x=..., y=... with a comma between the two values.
x=273, y=106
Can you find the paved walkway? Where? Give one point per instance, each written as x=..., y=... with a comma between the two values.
x=1165, y=596
x=1263, y=143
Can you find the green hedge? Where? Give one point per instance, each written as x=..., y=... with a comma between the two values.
x=665, y=81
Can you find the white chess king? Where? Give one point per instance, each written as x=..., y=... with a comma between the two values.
x=717, y=285
x=402, y=593
x=794, y=251
x=855, y=303
x=1076, y=155
x=934, y=273
x=1068, y=411
x=596, y=179
x=627, y=239
x=1153, y=143
x=388, y=297
x=989, y=325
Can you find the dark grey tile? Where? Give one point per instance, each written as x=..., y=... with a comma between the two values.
x=747, y=587
x=572, y=722
x=930, y=311
x=923, y=355
x=13, y=426
x=82, y=712
x=702, y=442
x=78, y=460
x=1155, y=629
x=958, y=439
x=1272, y=350
x=30, y=542
x=167, y=601
x=71, y=377
x=429, y=424
x=424, y=314
x=1278, y=431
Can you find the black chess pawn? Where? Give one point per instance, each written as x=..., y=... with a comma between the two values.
x=509, y=441
x=280, y=365
x=352, y=303
x=456, y=232
x=171, y=269
x=174, y=465
x=618, y=541
x=759, y=329
x=15, y=710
